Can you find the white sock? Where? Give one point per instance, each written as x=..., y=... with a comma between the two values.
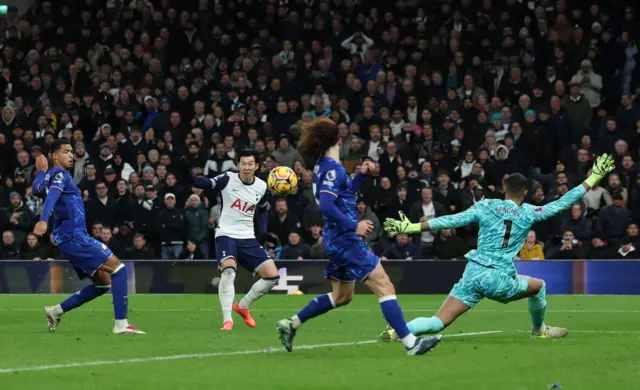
x=122, y=323
x=257, y=291
x=295, y=322
x=57, y=310
x=227, y=292
x=409, y=340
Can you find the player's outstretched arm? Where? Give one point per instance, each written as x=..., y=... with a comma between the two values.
x=603, y=165
x=201, y=182
x=394, y=227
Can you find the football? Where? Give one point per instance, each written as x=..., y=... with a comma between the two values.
x=282, y=181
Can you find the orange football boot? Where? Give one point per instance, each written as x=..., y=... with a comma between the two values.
x=246, y=316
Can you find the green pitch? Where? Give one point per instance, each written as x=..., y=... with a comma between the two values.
x=488, y=348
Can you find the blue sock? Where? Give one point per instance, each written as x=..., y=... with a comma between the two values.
x=119, y=291
x=86, y=294
x=393, y=314
x=317, y=306
x=423, y=325
x=538, y=307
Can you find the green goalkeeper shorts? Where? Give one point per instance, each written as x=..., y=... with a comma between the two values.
x=479, y=282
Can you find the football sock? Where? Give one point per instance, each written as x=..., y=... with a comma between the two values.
x=119, y=291
x=317, y=306
x=86, y=294
x=538, y=307
x=227, y=292
x=257, y=291
x=393, y=314
x=424, y=325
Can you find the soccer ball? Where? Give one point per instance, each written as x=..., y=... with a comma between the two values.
x=282, y=181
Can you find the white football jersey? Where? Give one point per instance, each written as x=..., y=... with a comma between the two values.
x=240, y=202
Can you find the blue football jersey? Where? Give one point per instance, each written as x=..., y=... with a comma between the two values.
x=329, y=176
x=68, y=212
x=503, y=226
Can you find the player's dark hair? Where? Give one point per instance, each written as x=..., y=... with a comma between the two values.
x=58, y=144
x=249, y=153
x=516, y=184
x=317, y=138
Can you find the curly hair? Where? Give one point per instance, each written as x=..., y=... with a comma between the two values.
x=317, y=137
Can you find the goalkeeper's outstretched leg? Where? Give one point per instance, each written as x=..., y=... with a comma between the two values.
x=495, y=286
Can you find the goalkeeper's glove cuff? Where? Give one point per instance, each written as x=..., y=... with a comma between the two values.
x=414, y=228
x=593, y=180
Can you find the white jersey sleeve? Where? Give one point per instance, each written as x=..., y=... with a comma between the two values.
x=240, y=202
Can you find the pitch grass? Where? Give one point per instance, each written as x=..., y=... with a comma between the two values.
x=601, y=353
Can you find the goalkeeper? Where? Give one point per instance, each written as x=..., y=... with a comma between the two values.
x=490, y=272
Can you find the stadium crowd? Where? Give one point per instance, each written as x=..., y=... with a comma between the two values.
x=446, y=96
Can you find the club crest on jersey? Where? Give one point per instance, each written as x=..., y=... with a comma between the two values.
x=58, y=178
x=537, y=210
x=243, y=206
x=331, y=175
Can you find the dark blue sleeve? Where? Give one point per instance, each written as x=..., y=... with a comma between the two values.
x=50, y=202
x=217, y=183
x=327, y=207
x=357, y=182
x=38, y=188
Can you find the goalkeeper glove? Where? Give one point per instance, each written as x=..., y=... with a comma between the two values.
x=394, y=227
x=601, y=168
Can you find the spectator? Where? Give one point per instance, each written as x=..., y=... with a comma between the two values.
x=614, y=185
x=32, y=250
x=191, y=252
x=365, y=213
x=567, y=249
x=613, y=219
x=139, y=250
x=422, y=211
x=10, y=249
x=106, y=237
x=103, y=208
x=197, y=220
x=627, y=251
x=532, y=248
x=578, y=224
x=286, y=155
x=21, y=219
x=599, y=248
x=296, y=249
x=590, y=83
x=283, y=222
x=171, y=225
x=448, y=245
x=401, y=249
x=632, y=233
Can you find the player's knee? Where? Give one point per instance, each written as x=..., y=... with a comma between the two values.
x=118, y=268
x=101, y=278
x=272, y=282
x=543, y=290
x=228, y=273
x=227, y=279
x=537, y=286
x=343, y=300
x=387, y=288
